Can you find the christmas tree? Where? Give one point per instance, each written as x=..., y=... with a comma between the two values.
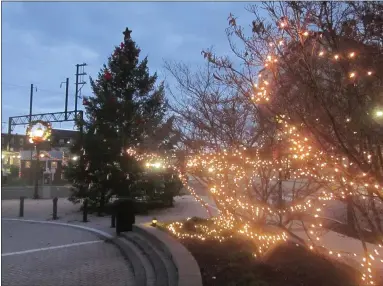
x=127, y=111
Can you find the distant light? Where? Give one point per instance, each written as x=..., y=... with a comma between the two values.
x=379, y=113
x=2, y=156
x=42, y=155
x=157, y=165
x=369, y=73
x=19, y=156
x=306, y=34
x=38, y=132
x=74, y=158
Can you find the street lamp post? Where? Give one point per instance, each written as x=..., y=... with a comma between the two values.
x=38, y=132
x=37, y=173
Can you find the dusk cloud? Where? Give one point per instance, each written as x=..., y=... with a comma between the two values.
x=43, y=41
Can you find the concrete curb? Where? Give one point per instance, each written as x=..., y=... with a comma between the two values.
x=188, y=270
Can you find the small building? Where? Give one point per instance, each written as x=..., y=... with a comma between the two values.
x=18, y=155
x=51, y=163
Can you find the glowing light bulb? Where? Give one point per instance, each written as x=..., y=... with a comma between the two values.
x=39, y=132
x=157, y=165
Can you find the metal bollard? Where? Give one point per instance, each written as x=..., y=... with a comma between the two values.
x=85, y=211
x=113, y=224
x=21, y=210
x=55, y=208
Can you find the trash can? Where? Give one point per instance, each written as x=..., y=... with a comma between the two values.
x=124, y=214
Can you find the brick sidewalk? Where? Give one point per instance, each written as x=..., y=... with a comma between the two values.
x=184, y=207
x=31, y=257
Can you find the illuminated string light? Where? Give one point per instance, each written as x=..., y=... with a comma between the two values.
x=237, y=212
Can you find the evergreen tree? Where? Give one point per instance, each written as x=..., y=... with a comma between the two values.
x=127, y=111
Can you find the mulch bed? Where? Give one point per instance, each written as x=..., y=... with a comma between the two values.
x=231, y=263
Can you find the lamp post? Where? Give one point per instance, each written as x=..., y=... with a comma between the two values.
x=37, y=173
x=38, y=132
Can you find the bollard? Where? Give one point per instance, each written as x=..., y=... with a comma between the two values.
x=21, y=211
x=113, y=224
x=55, y=208
x=85, y=211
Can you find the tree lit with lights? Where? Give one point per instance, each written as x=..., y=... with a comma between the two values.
x=315, y=70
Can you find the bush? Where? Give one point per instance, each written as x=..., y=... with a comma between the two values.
x=14, y=171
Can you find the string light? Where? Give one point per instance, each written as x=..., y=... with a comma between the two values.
x=233, y=174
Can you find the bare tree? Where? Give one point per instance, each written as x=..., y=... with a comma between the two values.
x=216, y=120
x=320, y=65
x=210, y=115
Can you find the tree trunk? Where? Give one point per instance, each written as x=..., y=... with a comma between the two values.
x=101, y=207
x=350, y=213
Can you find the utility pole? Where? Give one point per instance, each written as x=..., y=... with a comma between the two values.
x=81, y=119
x=33, y=88
x=78, y=74
x=66, y=96
x=31, y=102
x=37, y=166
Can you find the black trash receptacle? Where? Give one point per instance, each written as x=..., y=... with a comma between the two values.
x=124, y=214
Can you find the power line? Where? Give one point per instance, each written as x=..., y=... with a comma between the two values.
x=28, y=87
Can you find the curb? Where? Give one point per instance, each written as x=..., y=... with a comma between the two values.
x=189, y=273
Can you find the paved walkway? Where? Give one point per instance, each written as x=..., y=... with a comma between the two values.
x=185, y=206
x=65, y=257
